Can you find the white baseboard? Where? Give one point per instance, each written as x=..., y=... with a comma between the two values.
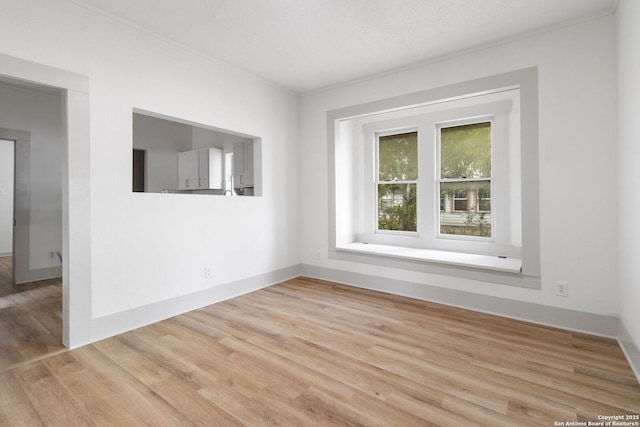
x=108, y=326
x=595, y=324
x=4, y=254
x=573, y=320
x=41, y=274
x=630, y=349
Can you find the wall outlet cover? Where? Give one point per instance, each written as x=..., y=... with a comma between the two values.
x=562, y=289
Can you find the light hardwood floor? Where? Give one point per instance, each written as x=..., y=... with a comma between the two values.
x=6, y=280
x=6, y=272
x=30, y=318
x=31, y=324
x=307, y=352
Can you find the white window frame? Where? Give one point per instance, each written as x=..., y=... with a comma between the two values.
x=502, y=144
x=377, y=181
x=427, y=235
x=346, y=200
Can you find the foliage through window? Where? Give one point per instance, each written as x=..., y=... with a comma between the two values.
x=397, y=179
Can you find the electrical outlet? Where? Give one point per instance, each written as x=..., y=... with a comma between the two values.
x=52, y=255
x=207, y=273
x=562, y=289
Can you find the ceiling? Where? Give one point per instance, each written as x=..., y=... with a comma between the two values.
x=309, y=44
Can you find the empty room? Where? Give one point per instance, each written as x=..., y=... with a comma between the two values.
x=393, y=213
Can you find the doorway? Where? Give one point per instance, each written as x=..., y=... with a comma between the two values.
x=76, y=178
x=31, y=193
x=139, y=170
x=17, y=273
x=7, y=156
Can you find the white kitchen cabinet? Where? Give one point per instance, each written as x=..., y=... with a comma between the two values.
x=200, y=169
x=243, y=164
x=210, y=168
x=188, y=173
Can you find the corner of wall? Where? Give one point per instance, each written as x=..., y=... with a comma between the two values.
x=629, y=348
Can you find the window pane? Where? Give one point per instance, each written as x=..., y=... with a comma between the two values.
x=398, y=157
x=397, y=207
x=465, y=208
x=460, y=204
x=465, y=151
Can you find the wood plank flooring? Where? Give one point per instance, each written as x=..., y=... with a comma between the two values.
x=307, y=352
x=6, y=273
x=6, y=280
x=30, y=318
x=31, y=324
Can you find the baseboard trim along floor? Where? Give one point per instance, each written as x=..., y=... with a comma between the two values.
x=107, y=326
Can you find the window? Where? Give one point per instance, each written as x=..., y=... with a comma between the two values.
x=397, y=179
x=464, y=184
x=436, y=180
x=441, y=176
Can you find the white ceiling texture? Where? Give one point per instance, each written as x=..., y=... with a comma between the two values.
x=309, y=44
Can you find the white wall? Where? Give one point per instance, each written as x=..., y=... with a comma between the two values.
x=6, y=197
x=628, y=20
x=40, y=114
x=203, y=138
x=577, y=104
x=148, y=248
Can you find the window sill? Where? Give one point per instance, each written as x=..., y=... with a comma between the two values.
x=483, y=262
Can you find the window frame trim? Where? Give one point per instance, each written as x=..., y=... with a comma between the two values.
x=524, y=79
x=427, y=236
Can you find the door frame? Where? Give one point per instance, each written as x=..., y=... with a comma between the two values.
x=76, y=208
x=21, y=202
